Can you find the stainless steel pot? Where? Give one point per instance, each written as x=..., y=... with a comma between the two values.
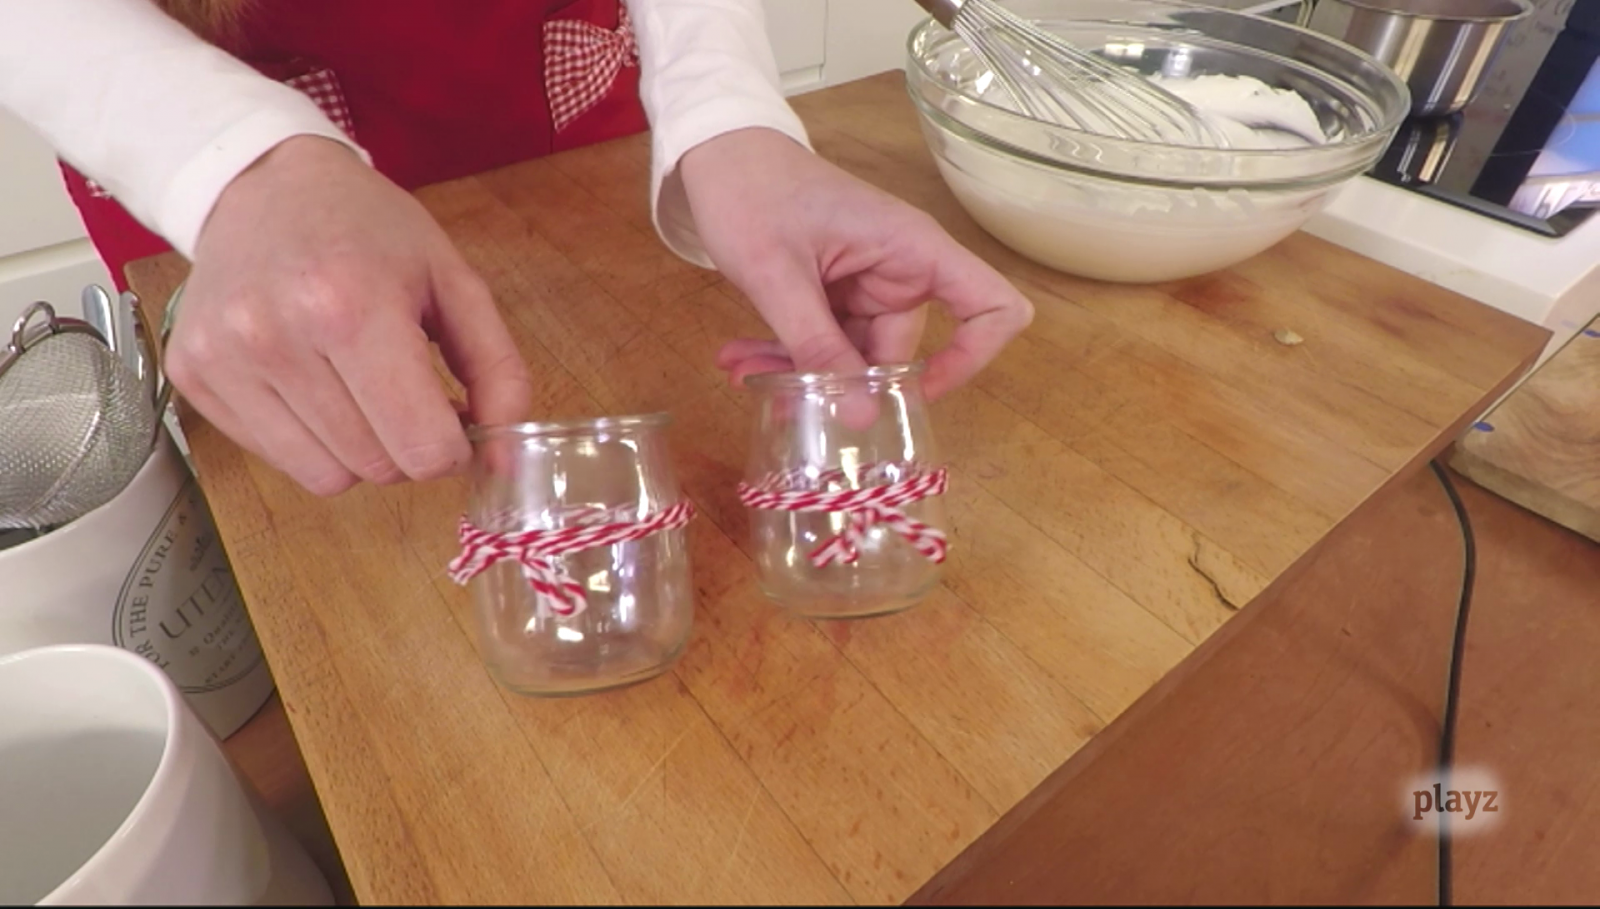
x=1441, y=48
x=1421, y=149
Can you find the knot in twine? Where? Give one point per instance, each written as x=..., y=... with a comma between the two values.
x=864, y=507
x=539, y=552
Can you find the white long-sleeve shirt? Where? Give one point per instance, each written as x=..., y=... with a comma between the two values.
x=164, y=121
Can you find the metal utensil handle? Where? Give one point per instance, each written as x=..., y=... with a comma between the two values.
x=19, y=328
x=124, y=327
x=53, y=324
x=97, y=311
x=155, y=349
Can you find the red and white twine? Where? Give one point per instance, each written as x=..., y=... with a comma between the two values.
x=864, y=507
x=539, y=552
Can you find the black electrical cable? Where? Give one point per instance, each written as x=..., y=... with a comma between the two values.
x=1447, y=737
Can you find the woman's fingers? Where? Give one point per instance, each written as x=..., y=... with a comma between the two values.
x=303, y=334
x=277, y=434
x=322, y=402
x=478, y=347
x=388, y=371
x=991, y=312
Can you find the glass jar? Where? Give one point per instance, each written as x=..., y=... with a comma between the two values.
x=843, y=487
x=576, y=553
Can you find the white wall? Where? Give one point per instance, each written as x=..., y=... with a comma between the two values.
x=866, y=37
x=798, y=31
x=44, y=254
x=825, y=42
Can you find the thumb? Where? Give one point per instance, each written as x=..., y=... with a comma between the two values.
x=794, y=304
x=479, y=350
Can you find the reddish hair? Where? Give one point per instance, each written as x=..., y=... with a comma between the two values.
x=209, y=18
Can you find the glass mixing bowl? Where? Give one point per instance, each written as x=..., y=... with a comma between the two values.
x=1139, y=212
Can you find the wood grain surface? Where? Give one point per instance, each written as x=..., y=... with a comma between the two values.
x=1526, y=713
x=1313, y=811
x=266, y=755
x=1270, y=768
x=1127, y=477
x=1540, y=447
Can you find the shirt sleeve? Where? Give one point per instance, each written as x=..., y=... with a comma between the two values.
x=706, y=68
x=161, y=119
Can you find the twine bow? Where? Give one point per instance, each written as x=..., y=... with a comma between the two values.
x=581, y=63
x=863, y=507
x=539, y=552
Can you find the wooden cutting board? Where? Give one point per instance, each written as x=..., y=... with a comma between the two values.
x=1540, y=447
x=1124, y=480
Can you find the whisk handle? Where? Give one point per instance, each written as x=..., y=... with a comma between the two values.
x=943, y=11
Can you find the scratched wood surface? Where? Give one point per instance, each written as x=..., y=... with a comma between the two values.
x=1124, y=479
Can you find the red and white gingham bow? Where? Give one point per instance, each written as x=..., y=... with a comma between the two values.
x=539, y=552
x=581, y=63
x=864, y=507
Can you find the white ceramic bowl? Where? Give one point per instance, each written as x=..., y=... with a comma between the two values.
x=112, y=792
x=1124, y=211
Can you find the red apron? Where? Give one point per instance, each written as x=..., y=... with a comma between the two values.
x=434, y=89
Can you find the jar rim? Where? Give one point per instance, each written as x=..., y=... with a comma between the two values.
x=802, y=379
x=539, y=428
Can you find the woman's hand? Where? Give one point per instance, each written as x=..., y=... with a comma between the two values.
x=840, y=270
x=305, y=323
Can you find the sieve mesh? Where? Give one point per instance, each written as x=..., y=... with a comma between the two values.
x=75, y=427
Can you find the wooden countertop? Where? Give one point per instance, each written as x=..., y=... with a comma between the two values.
x=1125, y=478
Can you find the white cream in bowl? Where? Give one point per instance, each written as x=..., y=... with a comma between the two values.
x=1294, y=115
x=1112, y=231
x=1248, y=112
x=1129, y=233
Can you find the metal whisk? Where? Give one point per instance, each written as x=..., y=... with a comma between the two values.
x=75, y=422
x=1051, y=80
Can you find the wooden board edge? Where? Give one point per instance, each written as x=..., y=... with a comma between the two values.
x=1543, y=501
x=970, y=864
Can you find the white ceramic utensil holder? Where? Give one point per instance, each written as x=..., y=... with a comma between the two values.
x=145, y=572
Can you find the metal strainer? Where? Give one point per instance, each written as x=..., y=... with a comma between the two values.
x=75, y=422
